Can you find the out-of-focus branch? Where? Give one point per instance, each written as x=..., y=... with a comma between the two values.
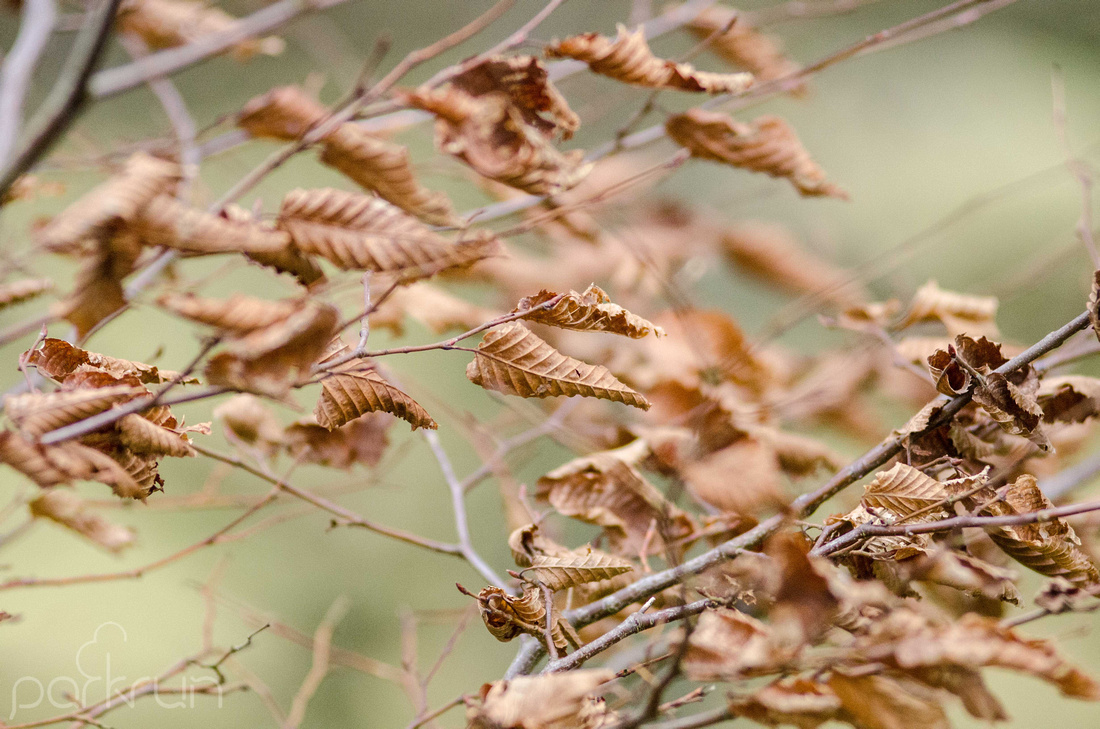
x=322, y=649
x=38, y=18
x=67, y=96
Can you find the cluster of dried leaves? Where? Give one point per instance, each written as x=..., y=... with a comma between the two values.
x=875, y=624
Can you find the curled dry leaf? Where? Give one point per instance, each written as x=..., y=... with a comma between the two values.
x=743, y=478
x=1014, y=409
x=959, y=313
x=489, y=134
x=167, y=222
x=800, y=702
x=66, y=509
x=57, y=359
x=284, y=112
x=953, y=368
x=527, y=543
x=507, y=616
x=37, y=413
x=767, y=144
x=587, y=312
x=1069, y=398
x=239, y=314
x=728, y=645
x=771, y=253
x=384, y=168
x=511, y=359
x=70, y=461
x=362, y=440
x=742, y=44
x=886, y=702
x=288, y=260
x=549, y=701
x=628, y=58
x=354, y=388
x=118, y=200
x=798, y=455
x=524, y=81
x=606, y=489
x=97, y=291
x=144, y=437
x=365, y=233
x=170, y=23
x=26, y=289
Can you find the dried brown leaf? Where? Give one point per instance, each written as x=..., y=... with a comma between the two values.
x=248, y=420
x=1069, y=398
x=355, y=388
x=903, y=490
x=284, y=112
x=438, y=310
x=798, y=455
x=587, y=312
x=37, y=413
x=22, y=290
x=511, y=359
x=362, y=440
x=384, y=168
x=239, y=314
x=170, y=23
x=548, y=701
x=365, y=233
x=799, y=702
x=66, y=509
x=742, y=44
x=562, y=572
x=1014, y=409
x=116, y=201
x=767, y=144
x=742, y=478
x=523, y=80
x=57, y=359
x=728, y=645
x=628, y=59
x=165, y=221
x=884, y=702
x=960, y=313
x=144, y=437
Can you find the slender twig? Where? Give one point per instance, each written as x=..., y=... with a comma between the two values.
x=696, y=721
x=322, y=649
x=35, y=28
x=432, y=716
x=67, y=96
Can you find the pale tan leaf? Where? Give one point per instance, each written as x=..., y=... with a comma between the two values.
x=903, y=490
x=884, y=702
x=239, y=314
x=511, y=359
x=489, y=134
x=362, y=440
x=438, y=310
x=33, y=460
x=22, y=290
x=767, y=144
x=165, y=221
x=97, y=290
x=799, y=455
x=527, y=543
x=248, y=420
x=729, y=645
x=526, y=84
x=69, y=461
x=365, y=233
x=587, y=312
x=960, y=313
x=628, y=58
x=284, y=112
x=742, y=44
x=772, y=254
x=606, y=490
x=144, y=437
x=742, y=478
x=384, y=168
x=66, y=509
x=170, y=23
x=561, y=572
x=37, y=413
x=118, y=200
x=355, y=388
x=58, y=359
x=549, y=701
x=799, y=702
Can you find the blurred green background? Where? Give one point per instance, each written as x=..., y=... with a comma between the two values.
x=955, y=171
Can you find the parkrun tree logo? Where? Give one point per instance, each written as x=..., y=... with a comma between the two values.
x=98, y=688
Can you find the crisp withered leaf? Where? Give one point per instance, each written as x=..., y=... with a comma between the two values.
x=549, y=701
x=384, y=168
x=628, y=58
x=165, y=221
x=1050, y=547
x=527, y=543
x=368, y=234
x=118, y=200
x=800, y=702
x=507, y=616
x=729, y=645
x=903, y=490
x=743, y=478
x=362, y=440
x=490, y=135
x=886, y=702
x=249, y=421
x=767, y=144
x=284, y=112
x=97, y=289
x=959, y=313
x=798, y=455
x=435, y=308
x=239, y=314
x=605, y=489
x=1014, y=409
x=66, y=509
x=951, y=377
x=37, y=413
x=57, y=359
x=772, y=254
x=355, y=387
x=16, y=292
x=144, y=437
x=591, y=311
x=70, y=461
x=742, y=44
x=562, y=572
x=170, y=23
x=1069, y=398
x=511, y=359
x=526, y=84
